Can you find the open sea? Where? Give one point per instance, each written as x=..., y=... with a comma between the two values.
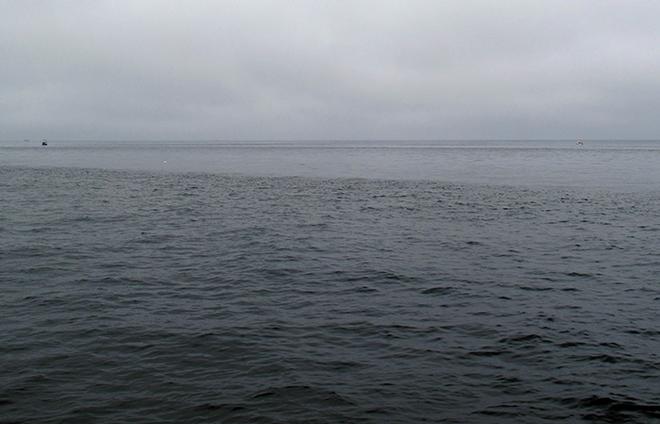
x=330, y=282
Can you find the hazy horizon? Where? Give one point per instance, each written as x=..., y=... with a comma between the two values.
x=314, y=140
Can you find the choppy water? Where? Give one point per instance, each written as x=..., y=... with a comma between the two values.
x=164, y=296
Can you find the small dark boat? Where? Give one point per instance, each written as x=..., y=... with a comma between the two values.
x=44, y=142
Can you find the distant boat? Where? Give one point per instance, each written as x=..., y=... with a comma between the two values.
x=579, y=143
x=44, y=142
x=27, y=140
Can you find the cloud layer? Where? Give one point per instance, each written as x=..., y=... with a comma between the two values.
x=301, y=69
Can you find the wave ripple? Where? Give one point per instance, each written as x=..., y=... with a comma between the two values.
x=143, y=297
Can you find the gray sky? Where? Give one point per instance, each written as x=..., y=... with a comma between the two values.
x=294, y=69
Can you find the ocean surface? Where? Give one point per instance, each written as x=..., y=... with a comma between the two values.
x=330, y=282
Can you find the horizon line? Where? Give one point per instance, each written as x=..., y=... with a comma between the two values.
x=254, y=140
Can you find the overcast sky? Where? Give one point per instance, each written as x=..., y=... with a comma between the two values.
x=357, y=69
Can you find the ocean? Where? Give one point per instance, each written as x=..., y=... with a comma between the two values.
x=330, y=282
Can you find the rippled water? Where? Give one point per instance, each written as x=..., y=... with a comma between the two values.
x=156, y=295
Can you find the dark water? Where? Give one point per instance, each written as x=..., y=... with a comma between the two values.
x=154, y=296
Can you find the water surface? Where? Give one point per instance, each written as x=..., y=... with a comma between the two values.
x=271, y=284
x=610, y=164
